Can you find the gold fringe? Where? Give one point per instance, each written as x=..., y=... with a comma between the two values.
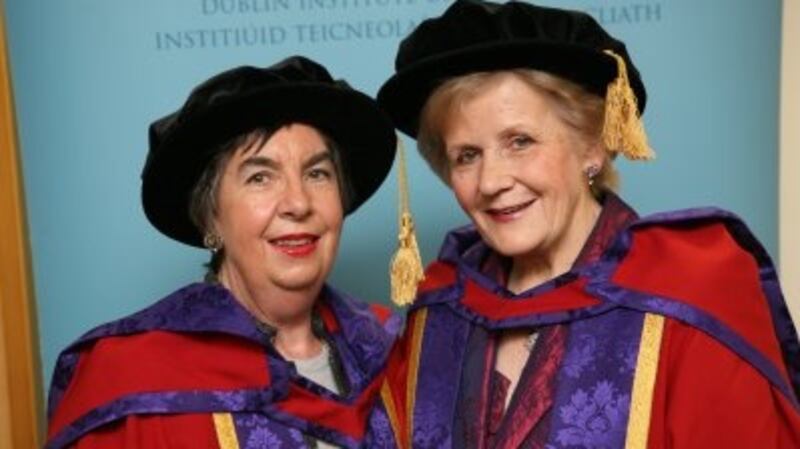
x=623, y=130
x=644, y=382
x=406, y=270
x=226, y=431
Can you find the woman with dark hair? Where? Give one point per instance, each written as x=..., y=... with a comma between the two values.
x=259, y=165
x=560, y=318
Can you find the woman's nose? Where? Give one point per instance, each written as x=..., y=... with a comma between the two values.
x=495, y=176
x=295, y=203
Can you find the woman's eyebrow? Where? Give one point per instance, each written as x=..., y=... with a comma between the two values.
x=258, y=161
x=324, y=155
x=266, y=162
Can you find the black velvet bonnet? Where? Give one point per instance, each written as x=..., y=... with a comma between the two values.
x=477, y=36
x=237, y=101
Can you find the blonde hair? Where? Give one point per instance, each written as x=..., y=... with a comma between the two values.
x=579, y=109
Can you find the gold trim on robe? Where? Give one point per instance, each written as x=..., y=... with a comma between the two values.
x=413, y=369
x=644, y=382
x=226, y=431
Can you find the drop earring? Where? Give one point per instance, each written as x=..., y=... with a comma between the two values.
x=592, y=173
x=212, y=242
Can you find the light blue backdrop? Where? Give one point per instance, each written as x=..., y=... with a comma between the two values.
x=90, y=75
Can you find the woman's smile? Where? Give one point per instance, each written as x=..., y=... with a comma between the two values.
x=508, y=213
x=296, y=245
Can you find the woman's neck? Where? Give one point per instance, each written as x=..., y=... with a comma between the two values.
x=288, y=312
x=544, y=264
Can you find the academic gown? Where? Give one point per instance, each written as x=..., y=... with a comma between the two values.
x=194, y=371
x=669, y=332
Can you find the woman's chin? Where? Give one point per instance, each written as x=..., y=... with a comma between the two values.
x=510, y=244
x=515, y=250
x=299, y=279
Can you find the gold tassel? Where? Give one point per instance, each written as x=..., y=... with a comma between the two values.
x=406, y=270
x=623, y=130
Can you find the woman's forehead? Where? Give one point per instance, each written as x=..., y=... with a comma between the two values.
x=291, y=141
x=509, y=100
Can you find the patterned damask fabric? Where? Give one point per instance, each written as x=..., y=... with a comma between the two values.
x=593, y=398
x=458, y=354
x=537, y=381
x=533, y=399
x=592, y=387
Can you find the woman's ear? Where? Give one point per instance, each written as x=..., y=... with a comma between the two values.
x=212, y=239
x=596, y=157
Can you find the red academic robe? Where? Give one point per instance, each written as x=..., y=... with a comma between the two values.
x=724, y=371
x=194, y=371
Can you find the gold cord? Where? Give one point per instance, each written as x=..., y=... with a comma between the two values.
x=406, y=268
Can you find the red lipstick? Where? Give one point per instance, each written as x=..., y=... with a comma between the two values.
x=295, y=245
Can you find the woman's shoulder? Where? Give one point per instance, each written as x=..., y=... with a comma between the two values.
x=355, y=316
x=706, y=268
x=706, y=258
x=189, y=322
x=194, y=308
x=706, y=238
x=189, y=312
x=118, y=376
x=189, y=340
x=691, y=218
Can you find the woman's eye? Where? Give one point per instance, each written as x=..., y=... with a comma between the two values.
x=521, y=142
x=319, y=174
x=467, y=156
x=258, y=178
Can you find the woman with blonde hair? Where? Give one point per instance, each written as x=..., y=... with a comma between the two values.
x=559, y=318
